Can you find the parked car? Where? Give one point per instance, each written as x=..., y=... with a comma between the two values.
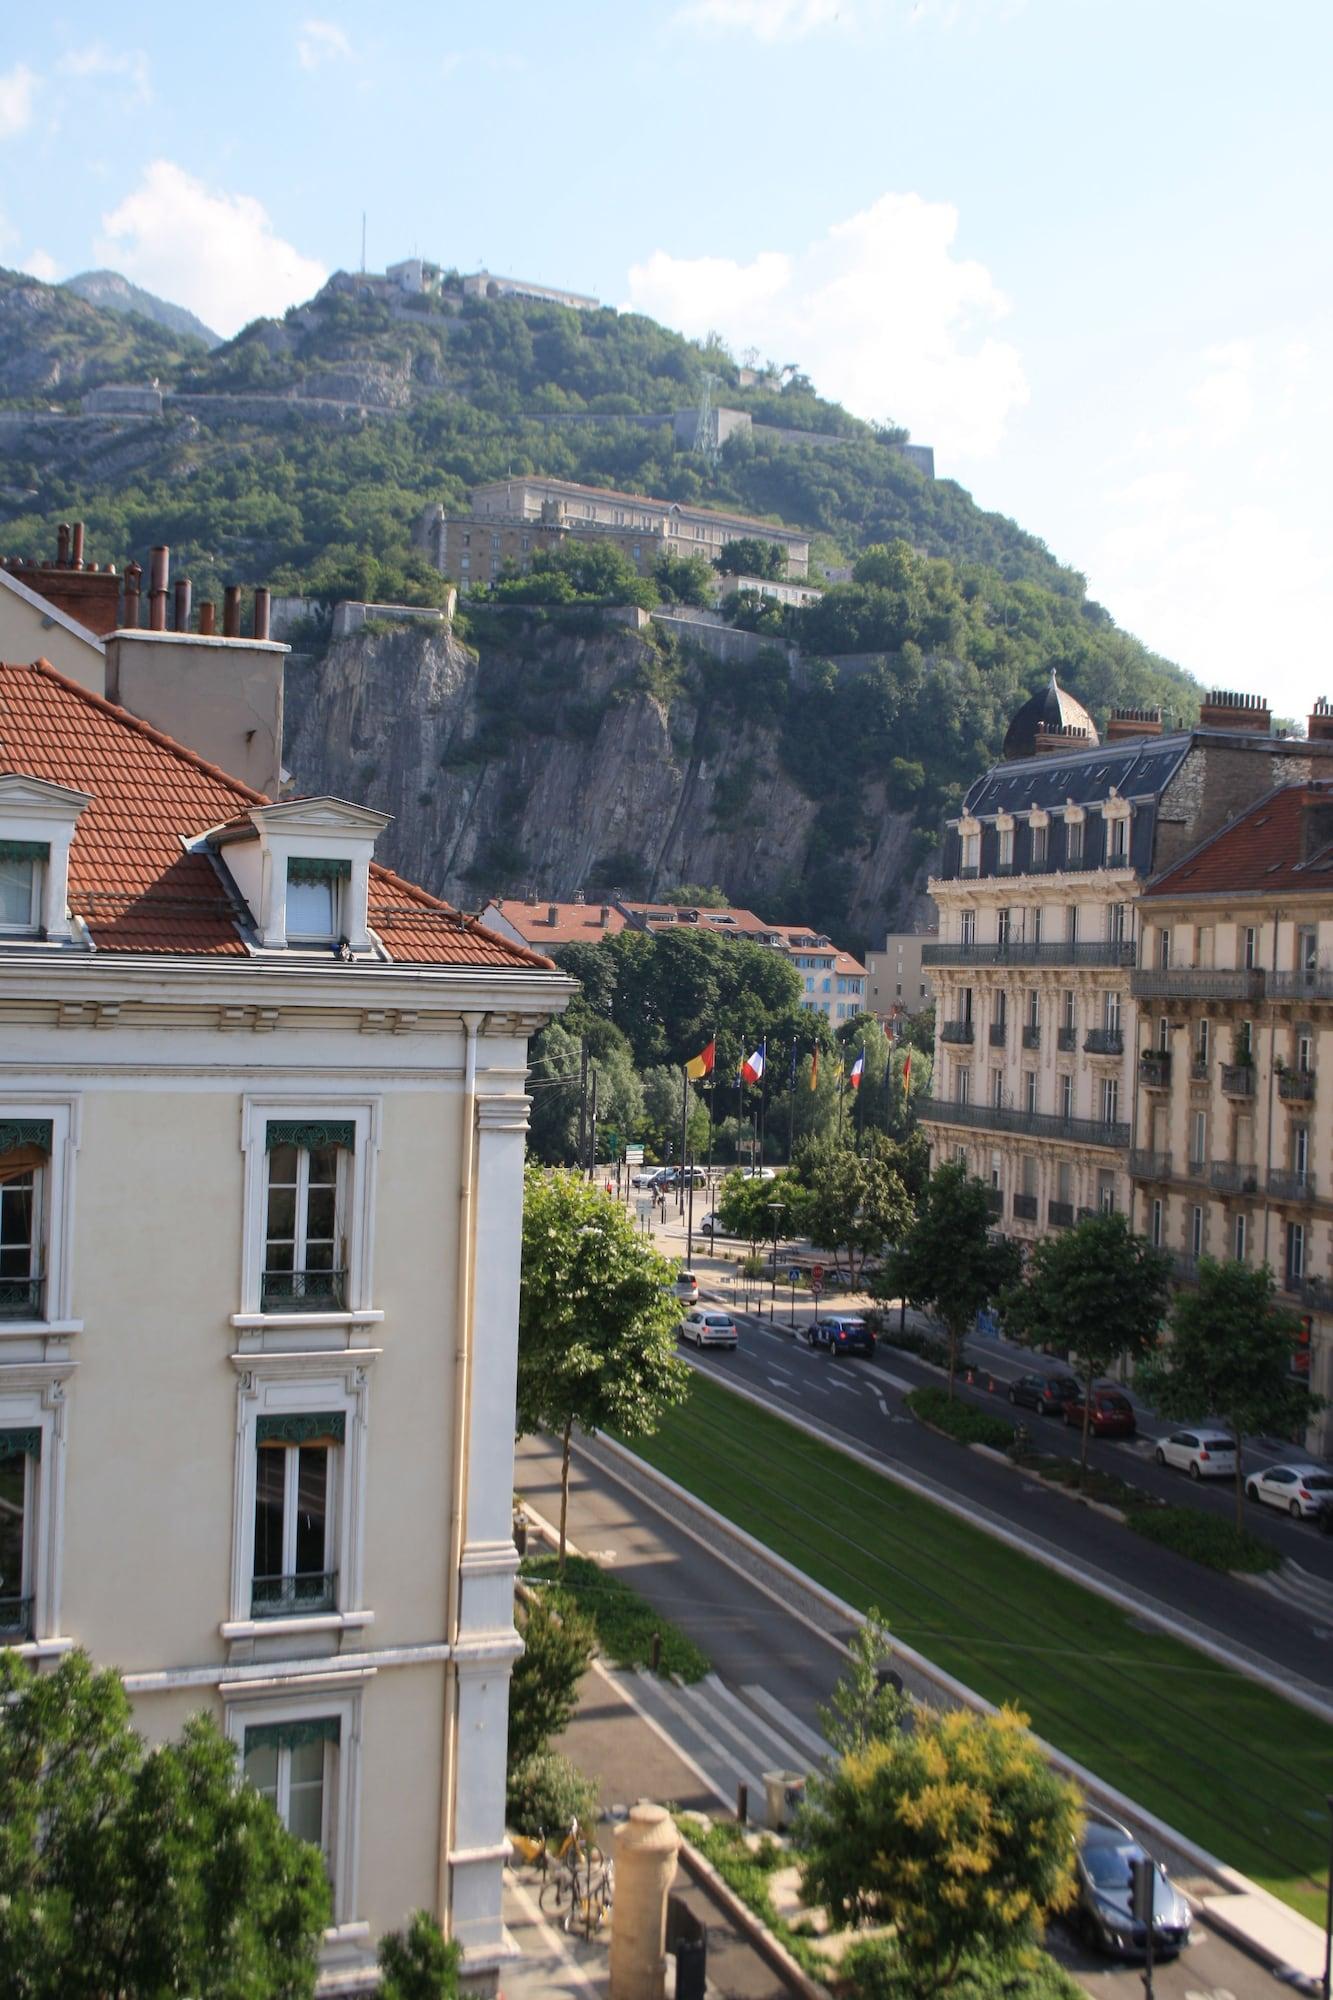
x=687, y=1287
x=1203, y=1454
x=760, y=1174
x=647, y=1177
x=707, y=1327
x=1299, y=1489
x=1324, y=1518
x=710, y=1226
x=1112, y=1413
x=1044, y=1391
x=1105, y=1887
x=841, y=1333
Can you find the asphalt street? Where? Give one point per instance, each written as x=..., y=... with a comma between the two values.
x=753, y=1639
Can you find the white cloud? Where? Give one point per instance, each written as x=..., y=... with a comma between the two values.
x=215, y=253
x=767, y=20
x=95, y=59
x=880, y=312
x=320, y=42
x=18, y=88
x=40, y=264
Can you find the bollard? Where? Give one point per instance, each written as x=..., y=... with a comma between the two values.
x=742, y=1803
x=646, y=1845
x=655, y=1653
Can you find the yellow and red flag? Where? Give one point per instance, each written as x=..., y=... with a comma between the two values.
x=702, y=1064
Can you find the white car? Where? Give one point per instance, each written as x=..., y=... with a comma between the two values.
x=760, y=1174
x=1204, y=1454
x=687, y=1288
x=1299, y=1489
x=708, y=1328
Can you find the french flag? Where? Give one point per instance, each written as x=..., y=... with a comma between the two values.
x=754, y=1066
x=858, y=1070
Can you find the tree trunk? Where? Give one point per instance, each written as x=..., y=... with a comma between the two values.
x=1087, y=1429
x=1240, y=1483
x=564, y=1493
x=953, y=1358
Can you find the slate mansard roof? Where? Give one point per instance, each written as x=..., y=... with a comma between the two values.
x=132, y=880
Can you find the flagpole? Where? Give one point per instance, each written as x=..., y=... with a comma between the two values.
x=684, y=1128
x=791, y=1106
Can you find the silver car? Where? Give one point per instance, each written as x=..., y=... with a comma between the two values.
x=1105, y=1894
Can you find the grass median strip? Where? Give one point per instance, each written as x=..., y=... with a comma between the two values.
x=626, y=1623
x=1241, y=1771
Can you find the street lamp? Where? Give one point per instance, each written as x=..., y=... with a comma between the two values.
x=775, y=1209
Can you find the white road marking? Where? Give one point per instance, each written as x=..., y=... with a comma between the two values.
x=884, y=1408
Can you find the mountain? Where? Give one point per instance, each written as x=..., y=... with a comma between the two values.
x=116, y=294
x=54, y=347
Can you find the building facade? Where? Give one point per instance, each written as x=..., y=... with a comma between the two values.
x=262, y=1122
x=1036, y=1031
x=897, y=983
x=1232, y=1131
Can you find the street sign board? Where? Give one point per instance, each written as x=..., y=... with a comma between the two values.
x=794, y=1274
x=634, y=1156
x=816, y=1287
x=643, y=1208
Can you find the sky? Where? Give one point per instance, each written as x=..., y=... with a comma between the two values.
x=1081, y=247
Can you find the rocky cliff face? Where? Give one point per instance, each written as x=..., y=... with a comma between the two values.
x=575, y=764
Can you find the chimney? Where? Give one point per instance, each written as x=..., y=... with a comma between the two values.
x=1064, y=738
x=133, y=578
x=62, y=545
x=1319, y=728
x=552, y=914
x=182, y=603
x=1222, y=710
x=231, y=611
x=578, y=895
x=1316, y=819
x=76, y=547
x=1126, y=722
x=604, y=915
x=208, y=612
x=159, y=565
x=261, y=613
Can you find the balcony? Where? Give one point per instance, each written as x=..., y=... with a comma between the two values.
x=1296, y=1086
x=1200, y=1069
x=1146, y=1166
x=22, y=1298
x=995, y=1200
x=1155, y=1070
x=1028, y=1124
x=1196, y=1170
x=1235, y=1177
x=1196, y=982
x=297, y=1596
x=1184, y=1267
x=1025, y=1207
x=15, y=1620
x=1060, y=1214
x=1017, y=951
x=1031, y=1037
x=1314, y=983
x=1104, y=1042
x=1316, y=1294
x=997, y=1034
x=956, y=1031
x=303, y=1291
x=1066, y=1038
x=1238, y=1079
x=1290, y=1184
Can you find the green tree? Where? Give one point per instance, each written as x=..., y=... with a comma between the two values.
x=1230, y=1354
x=857, y=1202
x=958, y=1832
x=596, y=1322
x=662, y=1087
x=1096, y=1292
x=684, y=579
x=748, y=555
x=544, y=1690
x=745, y=1207
x=693, y=895
x=947, y=1262
x=417, y=1964
x=126, y=1871
x=865, y=1706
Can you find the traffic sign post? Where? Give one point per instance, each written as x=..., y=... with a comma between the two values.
x=793, y=1279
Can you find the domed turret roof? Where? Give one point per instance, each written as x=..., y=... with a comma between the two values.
x=1051, y=709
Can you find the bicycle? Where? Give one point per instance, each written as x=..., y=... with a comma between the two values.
x=578, y=1891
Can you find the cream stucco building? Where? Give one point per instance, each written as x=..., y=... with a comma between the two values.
x=262, y=1122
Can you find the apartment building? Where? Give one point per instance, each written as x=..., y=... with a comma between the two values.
x=510, y=519
x=833, y=983
x=897, y=983
x=1232, y=1131
x=262, y=1123
x=1036, y=1020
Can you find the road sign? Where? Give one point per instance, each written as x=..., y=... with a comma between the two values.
x=794, y=1274
x=816, y=1287
x=816, y=1274
x=634, y=1156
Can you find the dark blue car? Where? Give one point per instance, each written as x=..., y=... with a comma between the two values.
x=841, y=1333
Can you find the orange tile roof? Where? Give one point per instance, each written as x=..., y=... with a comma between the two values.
x=129, y=879
x=729, y=922
x=1258, y=852
x=575, y=923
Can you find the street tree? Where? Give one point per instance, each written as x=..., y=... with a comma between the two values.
x=1230, y=1355
x=1096, y=1292
x=128, y=1871
x=746, y=1207
x=544, y=1690
x=947, y=1263
x=857, y=1202
x=957, y=1832
x=868, y=1703
x=597, y=1320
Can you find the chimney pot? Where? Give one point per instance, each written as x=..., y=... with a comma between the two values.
x=1319, y=728
x=231, y=611
x=62, y=544
x=182, y=603
x=130, y=615
x=76, y=548
x=552, y=913
x=261, y=613
x=159, y=565
x=207, y=618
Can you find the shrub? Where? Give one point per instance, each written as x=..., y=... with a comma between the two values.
x=873, y=1970
x=1205, y=1537
x=960, y=1421
x=544, y=1692
x=544, y=1794
x=908, y=1340
x=417, y=1964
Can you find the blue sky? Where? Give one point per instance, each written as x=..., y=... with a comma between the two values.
x=1081, y=246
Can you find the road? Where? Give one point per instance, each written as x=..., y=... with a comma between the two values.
x=754, y=1639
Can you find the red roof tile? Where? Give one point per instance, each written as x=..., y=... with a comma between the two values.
x=1258, y=852
x=575, y=923
x=129, y=879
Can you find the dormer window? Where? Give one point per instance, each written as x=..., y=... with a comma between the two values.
x=37, y=823
x=23, y=866
x=303, y=867
x=314, y=897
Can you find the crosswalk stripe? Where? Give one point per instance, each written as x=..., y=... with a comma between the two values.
x=776, y=1750
x=792, y=1725
x=725, y=1756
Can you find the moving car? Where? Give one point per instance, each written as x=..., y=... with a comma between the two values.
x=841, y=1333
x=1047, y=1392
x=760, y=1174
x=647, y=1177
x=1204, y=1454
x=1300, y=1489
x=687, y=1287
x=707, y=1327
x=1112, y=1414
x=1104, y=1910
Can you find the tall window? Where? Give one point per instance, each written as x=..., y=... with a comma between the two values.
x=1196, y=1231
x=1071, y=924
x=1004, y=857
x=1250, y=941
x=1117, y=842
x=1066, y=1095
x=962, y=1080
x=1111, y=1012
x=1029, y=1089
x=22, y=865
x=1244, y=1041
x=293, y=1565
x=1295, y=1254
x=1033, y=1007
x=1068, y=1013
x=1000, y=1007
x=1307, y=949
x=1106, y=1191
x=1300, y=1150
x=1039, y=846
x=1164, y=947
x=1074, y=842
x=304, y=1257
x=1115, y=923
x=292, y=1765
x=1064, y=1181
x=17, y=1462
x=1201, y=1046
x=997, y=1088
x=1238, y=1240
x=1163, y=1035
x=971, y=853
x=1198, y=1138
x=1304, y=1050
x=1155, y=1223
x=1003, y=924
x=968, y=927
x=1110, y=1099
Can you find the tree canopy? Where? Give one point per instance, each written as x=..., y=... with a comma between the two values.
x=947, y=1261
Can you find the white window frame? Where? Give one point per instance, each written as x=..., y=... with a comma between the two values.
x=1110, y=1100
x=338, y=891
x=32, y=1397
x=357, y=1199
x=54, y=1207
x=300, y=1385
x=32, y=923
x=291, y=1455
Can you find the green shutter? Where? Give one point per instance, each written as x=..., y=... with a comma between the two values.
x=284, y=1132
x=299, y=1428
x=293, y=1735
x=314, y=869
x=15, y=1132
x=25, y=850
x=13, y=1444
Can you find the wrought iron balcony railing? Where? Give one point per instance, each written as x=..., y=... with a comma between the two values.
x=1025, y=1207
x=1317, y=1293
x=1066, y=1038
x=1196, y=982
x=995, y=1200
x=304, y=1291
x=1030, y=1124
x=22, y=1298
x=1032, y=1036
x=1019, y=951
x=1314, y=983
x=1104, y=1042
x=1238, y=1079
x=15, y=1620
x=956, y=1031
x=1291, y=1184
x=1060, y=1214
x=1149, y=1166
x=1235, y=1177
x=303, y=1593
x=1200, y=1069
x=1184, y=1267
x=1155, y=1070
x=1296, y=1086
x=998, y=1030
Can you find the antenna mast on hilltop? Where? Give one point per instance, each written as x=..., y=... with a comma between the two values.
x=705, y=431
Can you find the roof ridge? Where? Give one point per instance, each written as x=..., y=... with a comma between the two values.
x=1227, y=826
x=472, y=924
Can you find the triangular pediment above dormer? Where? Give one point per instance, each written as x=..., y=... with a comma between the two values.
x=37, y=798
x=322, y=815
